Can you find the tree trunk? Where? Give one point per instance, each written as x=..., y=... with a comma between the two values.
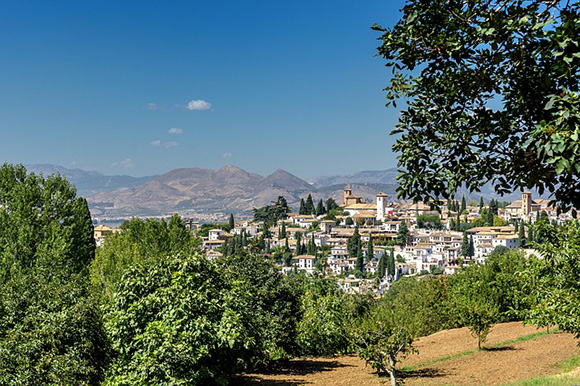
x=392, y=372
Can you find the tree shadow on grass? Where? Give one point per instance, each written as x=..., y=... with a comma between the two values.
x=421, y=373
x=297, y=367
x=504, y=348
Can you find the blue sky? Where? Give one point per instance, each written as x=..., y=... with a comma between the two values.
x=143, y=87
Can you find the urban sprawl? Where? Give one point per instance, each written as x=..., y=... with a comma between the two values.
x=367, y=246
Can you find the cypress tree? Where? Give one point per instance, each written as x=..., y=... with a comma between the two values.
x=232, y=224
x=522, y=235
x=392, y=263
x=370, y=249
x=381, y=266
x=310, y=205
x=311, y=249
x=402, y=234
x=353, y=244
x=463, y=204
x=298, y=243
x=302, y=209
x=516, y=227
x=481, y=204
x=359, y=261
x=489, y=218
x=282, y=232
x=465, y=245
x=320, y=208
x=471, y=246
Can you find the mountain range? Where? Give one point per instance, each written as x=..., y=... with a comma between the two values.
x=229, y=189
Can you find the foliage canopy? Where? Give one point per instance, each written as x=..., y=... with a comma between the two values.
x=491, y=88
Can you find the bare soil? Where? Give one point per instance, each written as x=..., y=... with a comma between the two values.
x=521, y=360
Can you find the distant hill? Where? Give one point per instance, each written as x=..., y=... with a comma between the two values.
x=229, y=189
x=388, y=176
x=89, y=182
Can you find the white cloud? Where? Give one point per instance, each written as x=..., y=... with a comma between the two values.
x=152, y=106
x=165, y=145
x=169, y=144
x=227, y=155
x=198, y=104
x=175, y=131
x=127, y=163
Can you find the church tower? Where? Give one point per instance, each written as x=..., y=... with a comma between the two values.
x=381, y=206
x=526, y=203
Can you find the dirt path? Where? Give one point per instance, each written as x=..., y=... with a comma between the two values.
x=521, y=360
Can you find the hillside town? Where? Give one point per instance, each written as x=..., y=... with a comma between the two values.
x=367, y=246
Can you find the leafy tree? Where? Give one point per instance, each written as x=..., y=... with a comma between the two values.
x=141, y=242
x=429, y=221
x=272, y=306
x=452, y=67
x=403, y=235
x=409, y=309
x=327, y=315
x=51, y=330
x=348, y=221
x=43, y=225
x=553, y=279
x=498, y=251
x=271, y=214
x=331, y=204
x=165, y=330
x=383, y=339
x=476, y=302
